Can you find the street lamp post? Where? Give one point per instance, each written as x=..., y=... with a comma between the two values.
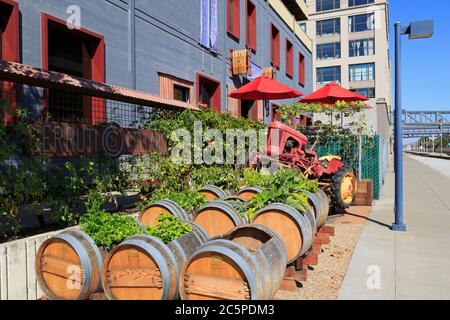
x=416, y=30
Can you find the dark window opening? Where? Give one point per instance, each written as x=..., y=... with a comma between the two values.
x=233, y=18
x=209, y=93
x=275, y=46
x=9, y=51
x=301, y=69
x=79, y=53
x=289, y=59
x=65, y=55
x=251, y=26
x=181, y=93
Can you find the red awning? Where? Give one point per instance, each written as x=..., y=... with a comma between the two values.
x=264, y=88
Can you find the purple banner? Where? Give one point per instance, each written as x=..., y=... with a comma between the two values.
x=204, y=23
x=214, y=31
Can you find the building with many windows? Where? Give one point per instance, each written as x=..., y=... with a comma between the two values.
x=351, y=44
x=178, y=50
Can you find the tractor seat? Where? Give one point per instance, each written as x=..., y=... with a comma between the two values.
x=329, y=158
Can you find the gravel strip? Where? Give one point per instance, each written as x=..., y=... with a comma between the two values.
x=325, y=279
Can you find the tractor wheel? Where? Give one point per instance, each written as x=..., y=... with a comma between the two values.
x=343, y=187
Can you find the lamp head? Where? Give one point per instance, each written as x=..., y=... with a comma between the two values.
x=421, y=29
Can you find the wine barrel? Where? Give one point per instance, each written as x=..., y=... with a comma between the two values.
x=144, y=268
x=249, y=192
x=218, y=217
x=296, y=229
x=150, y=215
x=68, y=266
x=213, y=192
x=319, y=203
x=246, y=264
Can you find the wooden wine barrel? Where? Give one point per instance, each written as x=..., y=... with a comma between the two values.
x=247, y=264
x=296, y=229
x=319, y=203
x=150, y=215
x=144, y=268
x=68, y=266
x=213, y=192
x=249, y=192
x=218, y=217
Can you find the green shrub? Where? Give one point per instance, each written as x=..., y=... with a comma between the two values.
x=285, y=186
x=169, y=228
x=189, y=200
x=109, y=229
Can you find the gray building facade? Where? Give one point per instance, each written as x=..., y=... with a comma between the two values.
x=150, y=45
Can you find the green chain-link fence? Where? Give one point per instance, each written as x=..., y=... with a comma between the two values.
x=366, y=155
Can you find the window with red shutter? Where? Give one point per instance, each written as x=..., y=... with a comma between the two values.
x=289, y=59
x=251, y=26
x=9, y=51
x=79, y=53
x=301, y=69
x=274, y=46
x=233, y=18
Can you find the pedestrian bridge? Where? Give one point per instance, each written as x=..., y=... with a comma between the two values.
x=425, y=123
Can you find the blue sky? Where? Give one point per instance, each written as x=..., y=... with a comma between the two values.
x=426, y=62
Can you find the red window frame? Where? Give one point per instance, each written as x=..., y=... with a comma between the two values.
x=216, y=97
x=233, y=18
x=251, y=26
x=301, y=69
x=274, y=46
x=289, y=59
x=94, y=110
x=10, y=26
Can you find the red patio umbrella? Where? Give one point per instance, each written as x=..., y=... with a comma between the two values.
x=265, y=88
x=332, y=93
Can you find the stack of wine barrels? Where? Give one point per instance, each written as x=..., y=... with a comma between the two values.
x=149, y=216
x=296, y=229
x=218, y=217
x=144, y=268
x=246, y=264
x=213, y=192
x=68, y=266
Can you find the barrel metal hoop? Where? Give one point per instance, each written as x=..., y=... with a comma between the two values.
x=97, y=253
x=269, y=267
x=180, y=249
x=84, y=259
x=243, y=265
x=159, y=259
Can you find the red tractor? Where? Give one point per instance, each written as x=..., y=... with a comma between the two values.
x=286, y=147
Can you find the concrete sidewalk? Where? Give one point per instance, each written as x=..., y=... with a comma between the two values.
x=412, y=265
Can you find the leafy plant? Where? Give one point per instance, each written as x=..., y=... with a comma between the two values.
x=224, y=176
x=109, y=229
x=189, y=199
x=254, y=178
x=169, y=228
x=285, y=186
x=241, y=207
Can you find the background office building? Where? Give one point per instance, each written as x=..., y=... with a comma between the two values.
x=351, y=44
